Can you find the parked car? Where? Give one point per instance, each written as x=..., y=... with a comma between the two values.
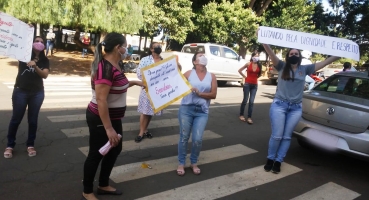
x=336, y=115
x=222, y=60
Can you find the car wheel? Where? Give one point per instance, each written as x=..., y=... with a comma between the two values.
x=273, y=81
x=222, y=83
x=303, y=144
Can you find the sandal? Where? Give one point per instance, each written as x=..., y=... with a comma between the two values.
x=180, y=171
x=196, y=170
x=31, y=151
x=139, y=138
x=8, y=152
x=242, y=118
x=249, y=121
x=148, y=135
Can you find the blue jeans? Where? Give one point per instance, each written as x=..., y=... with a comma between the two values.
x=84, y=51
x=191, y=120
x=248, y=89
x=21, y=99
x=49, y=46
x=284, y=116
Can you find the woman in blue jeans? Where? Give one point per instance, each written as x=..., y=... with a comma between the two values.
x=253, y=72
x=194, y=110
x=286, y=109
x=28, y=91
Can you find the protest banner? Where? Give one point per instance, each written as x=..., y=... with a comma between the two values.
x=306, y=41
x=16, y=38
x=164, y=83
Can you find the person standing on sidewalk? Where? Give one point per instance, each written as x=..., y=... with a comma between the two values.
x=28, y=92
x=85, y=41
x=194, y=112
x=50, y=41
x=250, y=87
x=105, y=111
x=286, y=109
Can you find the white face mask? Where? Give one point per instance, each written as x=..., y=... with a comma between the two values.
x=255, y=59
x=203, y=60
x=125, y=54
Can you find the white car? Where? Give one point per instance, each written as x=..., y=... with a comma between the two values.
x=222, y=60
x=333, y=69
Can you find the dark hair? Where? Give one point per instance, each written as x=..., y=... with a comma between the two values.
x=110, y=41
x=288, y=68
x=194, y=59
x=151, y=47
x=42, y=55
x=346, y=66
x=258, y=63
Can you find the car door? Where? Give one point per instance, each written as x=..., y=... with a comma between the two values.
x=231, y=63
x=214, y=59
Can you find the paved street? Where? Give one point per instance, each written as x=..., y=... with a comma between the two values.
x=231, y=160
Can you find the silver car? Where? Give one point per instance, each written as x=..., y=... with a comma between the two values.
x=336, y=115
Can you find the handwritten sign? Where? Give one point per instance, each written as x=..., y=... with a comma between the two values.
x=317, y=43
x=16, y=38
x=164, y=83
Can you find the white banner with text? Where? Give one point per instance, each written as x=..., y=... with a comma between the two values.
x=307, y=41
x=164, y=83
x=16, y=38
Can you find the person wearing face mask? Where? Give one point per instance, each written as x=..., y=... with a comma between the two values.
x=105, y=112
x=194, y=111
x=144, y=106
x=286, y=108
x=28, y=92
x=253, y=71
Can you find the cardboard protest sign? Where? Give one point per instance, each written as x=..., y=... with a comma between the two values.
x=306, y=41
x=16, y=38
x=164, y=83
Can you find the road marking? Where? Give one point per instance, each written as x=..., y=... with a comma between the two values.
x=57, y=84
x=74, y=99
x=55, y=93
x=134, y=171
x=61, y=88
x=329, y=191
x=225, y=185
x=213, y=105
x=133, y=126
x=82, y=117
x=156, y=142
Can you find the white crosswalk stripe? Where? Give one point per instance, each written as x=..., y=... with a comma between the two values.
x=66, y=92
x=213, y=188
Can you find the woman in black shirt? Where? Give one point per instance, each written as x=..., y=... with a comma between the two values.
x=28, y=91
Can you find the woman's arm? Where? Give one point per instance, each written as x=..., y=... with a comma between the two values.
x=43, y=73
x=243, y=68
x=271, y=54
x=325, y=62
x=213, y=92
x=102, y=91
x=138, y=83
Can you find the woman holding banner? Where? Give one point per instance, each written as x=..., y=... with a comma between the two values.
x=253, y=71
x=28, y=92
x=286, y=109
x=105, y=111
x=144, y=106
x=194, y=110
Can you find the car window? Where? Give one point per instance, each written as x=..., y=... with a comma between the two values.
x=214, y=50
x=350, y=86
x=193, y=49
x=228, y=53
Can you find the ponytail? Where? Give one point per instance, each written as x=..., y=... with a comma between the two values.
x=97, y=58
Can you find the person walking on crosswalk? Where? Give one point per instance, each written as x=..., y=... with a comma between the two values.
x=194, y=111
x=28, y=92
x=286, y=108
x=105, y=111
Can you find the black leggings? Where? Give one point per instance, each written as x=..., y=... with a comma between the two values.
x=98, y=138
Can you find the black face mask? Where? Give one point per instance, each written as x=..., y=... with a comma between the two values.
x=293, y=60
x=157, y=50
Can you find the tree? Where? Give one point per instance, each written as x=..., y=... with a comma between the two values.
x=227, y=23
x=3, y=4
x=124, y=16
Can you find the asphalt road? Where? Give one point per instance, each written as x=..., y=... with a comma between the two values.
x=231, y=160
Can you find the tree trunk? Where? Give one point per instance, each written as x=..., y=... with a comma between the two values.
x=251, y=5
x=265, y=6
x=38, y=28
x=242, y=51
x=145, y=44
x=139, y=45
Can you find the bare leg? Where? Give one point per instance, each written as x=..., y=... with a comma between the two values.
x=144, y=123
